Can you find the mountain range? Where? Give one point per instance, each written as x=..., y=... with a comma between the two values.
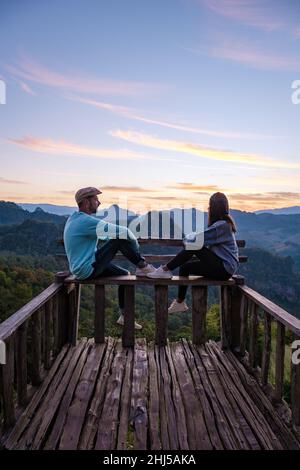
x=275, y=233
x=67, y=210
x=272, y=245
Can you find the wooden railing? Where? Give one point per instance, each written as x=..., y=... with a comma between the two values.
x=242, y=314
x=33, y=337
x=50, y=320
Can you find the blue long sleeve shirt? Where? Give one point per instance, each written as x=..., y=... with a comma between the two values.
x=81, y=235
x=220, y=239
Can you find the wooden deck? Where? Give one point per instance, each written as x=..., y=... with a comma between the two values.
x=180, y=396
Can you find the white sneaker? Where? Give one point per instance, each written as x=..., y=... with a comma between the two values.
x=178, y=307
x=160, y=273
x=120, y=322
x=145, y=271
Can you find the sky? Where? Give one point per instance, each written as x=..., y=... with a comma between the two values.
x=158, y=103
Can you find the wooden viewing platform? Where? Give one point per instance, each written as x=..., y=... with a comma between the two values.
x=59, y=392
x=104, y=396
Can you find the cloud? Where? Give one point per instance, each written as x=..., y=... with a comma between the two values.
x=251, y=12
x=27, y=88
x=267, y=198
x=198, y=150
x=129, y=113
x=32, y=71
x=249, y=56
x=61, y=147
x=127, y=189
x=7, y=181
x=195, y=187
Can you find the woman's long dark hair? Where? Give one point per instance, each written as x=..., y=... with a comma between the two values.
x=219, y=210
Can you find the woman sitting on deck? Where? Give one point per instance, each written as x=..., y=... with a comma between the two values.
x=217, y=259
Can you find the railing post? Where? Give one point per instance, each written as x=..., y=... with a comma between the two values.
x=73, y=310
x=199, y=309
x=161, y=314
x=47, y=334
x=267, y=349
x=235, y=318
x=7, y=382
x=279, y=365
x=62, y=310
x=244, y=325
x=99, y=313
x=21, y=363
x=55, y=320
x=129, y=310
x=253, y=345
x=36, y=348
x=225, y=317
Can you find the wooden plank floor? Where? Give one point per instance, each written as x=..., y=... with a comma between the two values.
x=177, y=397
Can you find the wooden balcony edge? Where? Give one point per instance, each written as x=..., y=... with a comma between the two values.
x=10, y=325
x=278, y=313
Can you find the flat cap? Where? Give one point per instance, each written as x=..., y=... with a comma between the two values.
x=82, y=193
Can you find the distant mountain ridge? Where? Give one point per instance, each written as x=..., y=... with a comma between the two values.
x=282, y=211
x=12, y=214
x=275, y=233
x=51, y=208
x=67, y=210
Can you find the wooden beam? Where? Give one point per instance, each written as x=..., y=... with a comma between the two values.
x=73, y=314
x=7, y=373
x=253, y=346
x=12, y=323
x=244, y=325
x=132, y=279
x=164, y=242
x=21, y=364
x=279, y=364
x=274, y=310
x=267, y=349
x=161, y=314
x=199, y=310
x=129, y=314
x=236, y=297
x=99, y=314
x=48, y=334
x=225, y=317
x=36, y=348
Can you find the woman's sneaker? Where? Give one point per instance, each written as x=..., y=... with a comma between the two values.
x=143, y=272
x=176, y=307
x=120, y=322
x=160, y=273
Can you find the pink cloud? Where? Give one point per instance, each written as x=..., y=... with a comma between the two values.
x=61, y=147
x=27, y=88
x=129, y=113
x=251, y=12
x=7, y=181
x=32, y=71
x=249, y=55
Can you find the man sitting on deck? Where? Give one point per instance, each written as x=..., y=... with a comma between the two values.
x=86, y=260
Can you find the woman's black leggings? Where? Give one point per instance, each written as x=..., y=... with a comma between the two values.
x=208, y=264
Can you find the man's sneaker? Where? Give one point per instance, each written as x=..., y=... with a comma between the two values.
x=120, y=322
x=160, y=273
x=143, y=272
x=178, y=307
